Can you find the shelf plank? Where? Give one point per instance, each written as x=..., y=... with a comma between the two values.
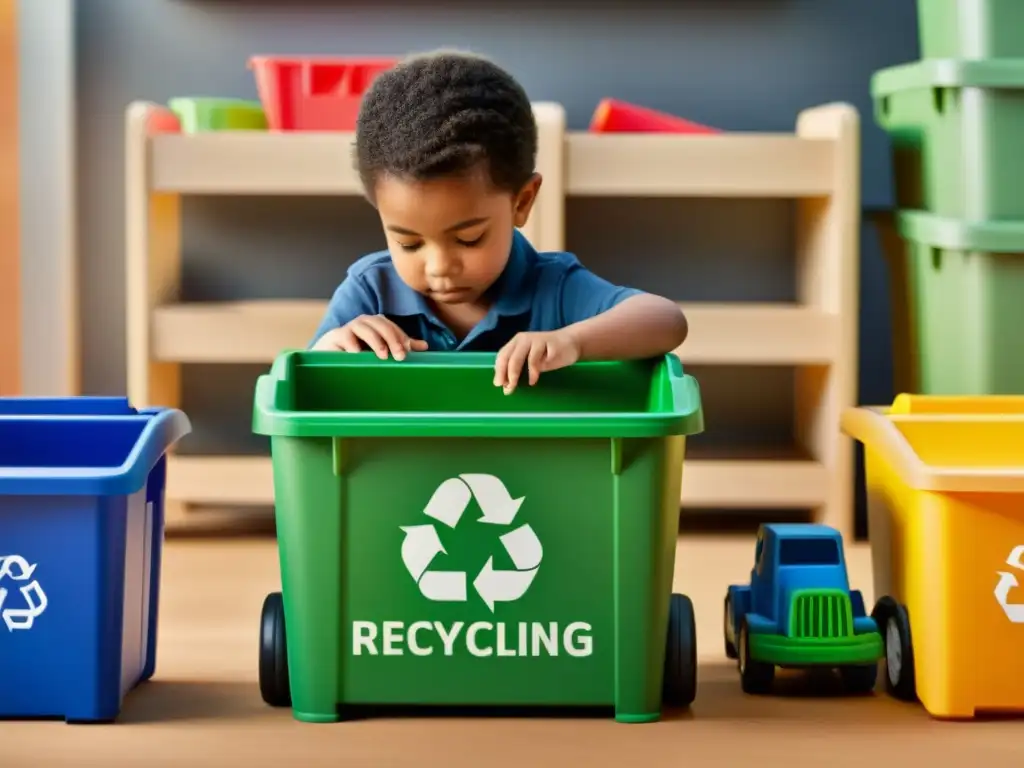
x=754, y=483
x=724, y=483
x=726, y=165
x=254, y=163
x=759, y=334
x=256, y=331
x=233, y=332
x=228, y=480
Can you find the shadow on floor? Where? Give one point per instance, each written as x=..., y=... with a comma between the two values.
x=718, y=697
x=161, y=701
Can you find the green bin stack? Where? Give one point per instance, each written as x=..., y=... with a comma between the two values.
x=955, y=246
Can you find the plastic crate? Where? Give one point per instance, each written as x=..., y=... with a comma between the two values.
x=314, y=94
x=945, y=482
x=614, y=116
x=81, y=532
x=957, y=307
x=955, y=129
x=444, y=544
x=218, y=114
x=971, y=29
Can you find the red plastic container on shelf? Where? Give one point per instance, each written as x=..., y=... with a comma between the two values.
x=314, y=94
x=614, y=116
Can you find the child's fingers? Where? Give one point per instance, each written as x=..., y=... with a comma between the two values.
x=347, y=341
x=393, y=337
x=516, y=361
x=501, y=364
x=371, y=337
x=417, y=345
x=535, y=362
x=338, y=340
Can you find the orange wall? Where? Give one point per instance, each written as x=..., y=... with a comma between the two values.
x=10, y=280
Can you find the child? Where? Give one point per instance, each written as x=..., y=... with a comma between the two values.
x=445, y=147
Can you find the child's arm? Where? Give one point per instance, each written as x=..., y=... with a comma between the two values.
x=600, y=321
x=642, y=325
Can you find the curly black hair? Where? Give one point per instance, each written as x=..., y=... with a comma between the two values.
x=446, y=113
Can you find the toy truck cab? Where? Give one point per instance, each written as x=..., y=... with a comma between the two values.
x=799, y=611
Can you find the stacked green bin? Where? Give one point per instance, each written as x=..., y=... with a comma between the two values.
x=961, y=284
x=971, y=29
x=444, y=544
x=956, y=121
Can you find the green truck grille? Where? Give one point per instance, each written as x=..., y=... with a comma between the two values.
x=821, y=615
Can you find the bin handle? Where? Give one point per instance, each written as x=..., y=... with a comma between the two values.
x=877, y=430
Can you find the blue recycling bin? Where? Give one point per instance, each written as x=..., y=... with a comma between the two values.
x=81, y=534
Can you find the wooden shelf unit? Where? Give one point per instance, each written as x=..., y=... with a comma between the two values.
x=818, y=165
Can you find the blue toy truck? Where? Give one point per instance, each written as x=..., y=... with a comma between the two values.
x=799, y=612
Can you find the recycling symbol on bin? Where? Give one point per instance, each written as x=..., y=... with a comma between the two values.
x=1007, y=581
x=448, y=504
x=17, y=568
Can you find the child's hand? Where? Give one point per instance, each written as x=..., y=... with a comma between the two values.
x=539, y=352
x=375, y=331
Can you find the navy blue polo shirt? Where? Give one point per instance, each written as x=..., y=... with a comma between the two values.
x=536, y=292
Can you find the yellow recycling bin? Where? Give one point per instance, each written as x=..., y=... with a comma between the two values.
x=945, y=486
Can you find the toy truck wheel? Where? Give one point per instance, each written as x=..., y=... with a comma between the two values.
x=860, y=678
x=756, y=677
x=730, y=645
x=680, y=683
x=274, y=685
x=894, y=624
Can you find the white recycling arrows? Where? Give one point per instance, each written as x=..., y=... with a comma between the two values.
x=447, y=505
x=449, y=502
x=17, y=568
x=497, y=506
x=526, y=552
x=420, y=547
x=1007, y=581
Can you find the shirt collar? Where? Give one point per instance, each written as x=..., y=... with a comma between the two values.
x=510, y=292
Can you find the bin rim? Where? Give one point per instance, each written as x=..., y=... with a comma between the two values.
x=163, y=428
x=948, y=73
x=78, y=405
x=875, y=428
x=684, y=418
x=926, y=228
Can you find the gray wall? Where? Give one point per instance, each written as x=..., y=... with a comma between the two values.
x=730, y=63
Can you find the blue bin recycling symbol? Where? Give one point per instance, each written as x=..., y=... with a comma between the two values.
x=20, y=614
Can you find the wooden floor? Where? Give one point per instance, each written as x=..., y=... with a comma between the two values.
x=203, y=708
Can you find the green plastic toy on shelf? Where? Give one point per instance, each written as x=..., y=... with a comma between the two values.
x=202, y=114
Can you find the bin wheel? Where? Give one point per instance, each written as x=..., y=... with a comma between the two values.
x=894, y=624
x=756, y=677
x=730, y=646
x=274, y=685
x=859, y=678
x=680, y=683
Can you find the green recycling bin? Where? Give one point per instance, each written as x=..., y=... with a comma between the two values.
x=970, y=29
x=955, y=128
x=957, y=304
x=442, y=543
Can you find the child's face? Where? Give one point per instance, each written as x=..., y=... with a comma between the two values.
x=450, y=238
